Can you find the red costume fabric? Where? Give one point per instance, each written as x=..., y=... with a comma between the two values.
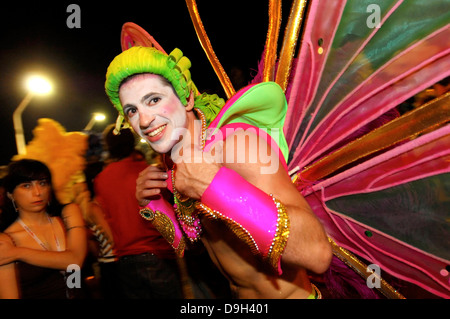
x=115, y=192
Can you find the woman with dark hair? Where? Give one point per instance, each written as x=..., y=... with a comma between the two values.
x=41, y=235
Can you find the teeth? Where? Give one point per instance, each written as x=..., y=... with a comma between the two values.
x=157, y=131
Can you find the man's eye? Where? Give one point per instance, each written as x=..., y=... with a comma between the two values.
x=130, y=112
x=153, y=100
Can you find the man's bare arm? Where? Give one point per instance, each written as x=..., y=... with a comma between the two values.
x=307, y=246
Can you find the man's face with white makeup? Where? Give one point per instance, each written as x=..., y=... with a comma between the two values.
x=153, y=110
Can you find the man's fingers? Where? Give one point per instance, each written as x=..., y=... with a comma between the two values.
x=154, y=179
x=152, y=172
x=154, y=184
x=147, y=194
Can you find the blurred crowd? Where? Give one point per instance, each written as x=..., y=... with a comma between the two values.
x=119, y=254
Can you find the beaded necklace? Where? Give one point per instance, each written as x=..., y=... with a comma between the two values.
x=185, y=207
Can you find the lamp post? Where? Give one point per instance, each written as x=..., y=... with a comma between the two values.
x=96, y=117
x=36, y=85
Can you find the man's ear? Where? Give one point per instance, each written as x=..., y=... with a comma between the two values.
x=10, y=196
x=190, y=102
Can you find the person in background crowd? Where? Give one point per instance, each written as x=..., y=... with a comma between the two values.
x=146, y=265
x=40, y=234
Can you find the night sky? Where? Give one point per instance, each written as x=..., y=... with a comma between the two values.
x=35, y=38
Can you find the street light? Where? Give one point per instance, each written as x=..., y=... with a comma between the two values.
x=36, y=86
x=96, y=117
x=39, y=85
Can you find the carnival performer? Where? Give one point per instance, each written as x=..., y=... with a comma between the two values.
x=226, y=167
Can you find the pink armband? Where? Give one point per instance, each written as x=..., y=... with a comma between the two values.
x=162, y=216
x=254, y=216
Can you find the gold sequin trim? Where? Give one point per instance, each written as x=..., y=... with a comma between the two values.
x=316, y=292
x=242, y=233
x=164, y=225
x=280, y=239
x=181, y=247
x=278, y=242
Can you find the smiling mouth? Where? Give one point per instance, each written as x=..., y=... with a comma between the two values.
x=157, y=131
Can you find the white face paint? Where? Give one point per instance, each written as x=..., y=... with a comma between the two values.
x=153, y=110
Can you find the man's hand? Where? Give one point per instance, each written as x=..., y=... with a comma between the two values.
x=196, y=169
x=149, y=184
x=192, y=179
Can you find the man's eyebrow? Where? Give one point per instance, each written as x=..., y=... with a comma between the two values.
x=147, y=96
x=127, y=106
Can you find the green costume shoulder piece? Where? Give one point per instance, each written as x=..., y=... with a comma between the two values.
x=262, y=105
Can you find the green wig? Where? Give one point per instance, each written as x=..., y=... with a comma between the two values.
x=174, y=67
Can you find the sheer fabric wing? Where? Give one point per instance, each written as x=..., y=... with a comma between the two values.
x=393, y=210
x=349, y=74
x=389, y=205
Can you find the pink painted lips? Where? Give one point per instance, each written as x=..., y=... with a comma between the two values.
x=156, y=134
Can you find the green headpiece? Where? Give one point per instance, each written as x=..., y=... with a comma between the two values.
x=174, y=67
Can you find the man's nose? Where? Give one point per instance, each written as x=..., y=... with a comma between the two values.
x=146, y=118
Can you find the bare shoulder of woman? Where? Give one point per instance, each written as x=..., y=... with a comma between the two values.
x=6, y=237
x=72, y=216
